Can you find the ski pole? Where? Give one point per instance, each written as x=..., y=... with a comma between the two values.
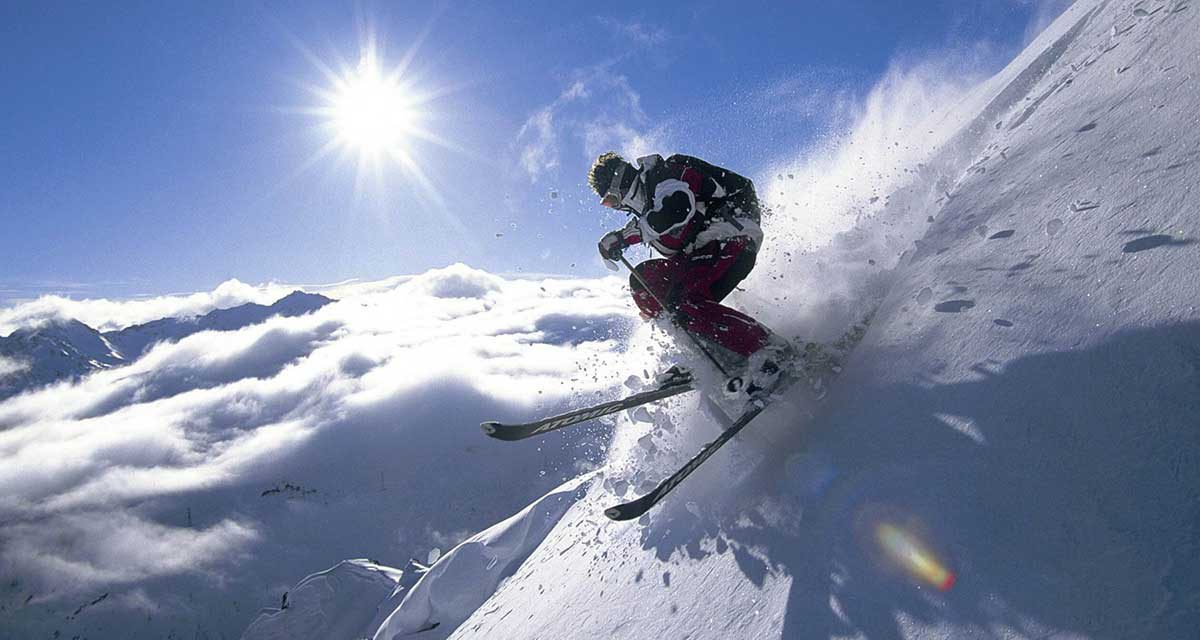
x=664, y=307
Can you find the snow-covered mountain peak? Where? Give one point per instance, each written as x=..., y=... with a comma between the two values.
x=63, y=329
x=62, y=348
x=54, y=350
x=298, y=302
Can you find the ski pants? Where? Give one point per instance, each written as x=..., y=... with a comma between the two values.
x=692, y=286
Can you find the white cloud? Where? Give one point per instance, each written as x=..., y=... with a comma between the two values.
x=457, y=281
x=601, y=136
x=96, y=475
x=598, y=111
x=89, y=550
x=540, y=153
x=106, y=315
x=9, y=366
x=636, y=32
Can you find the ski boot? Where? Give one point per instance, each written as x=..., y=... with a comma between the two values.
x=673, y=375
x=769, y=371
x=819, y=364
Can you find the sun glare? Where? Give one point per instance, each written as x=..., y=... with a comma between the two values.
x=377, y=116
x=370, y=111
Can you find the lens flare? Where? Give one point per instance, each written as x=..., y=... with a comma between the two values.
x=906, y=550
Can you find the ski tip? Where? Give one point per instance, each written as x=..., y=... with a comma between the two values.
x=489, y=428
x=627, y=511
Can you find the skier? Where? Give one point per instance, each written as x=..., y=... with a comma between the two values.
x=704, y=220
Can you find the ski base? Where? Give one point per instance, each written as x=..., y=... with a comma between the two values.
x=636, y=508
x=819, y=368
x=520, y=431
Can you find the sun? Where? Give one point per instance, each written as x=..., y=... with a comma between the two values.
x=373, y=112
x=380, y=118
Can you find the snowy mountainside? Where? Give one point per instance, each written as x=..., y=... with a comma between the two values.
x=326, y=602
x=66, y=349
x=54, y=351
x=1011, y=452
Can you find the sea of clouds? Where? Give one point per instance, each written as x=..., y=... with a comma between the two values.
x=209, y=475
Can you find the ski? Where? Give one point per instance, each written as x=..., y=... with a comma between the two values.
x=822, y=366
x=635, y=508
x=519, y=431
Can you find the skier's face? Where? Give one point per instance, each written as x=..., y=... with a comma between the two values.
x=611, y=201
x=613, y=197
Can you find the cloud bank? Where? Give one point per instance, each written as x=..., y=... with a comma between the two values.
x=107, y=315
x=214, y=464
x=9, y=366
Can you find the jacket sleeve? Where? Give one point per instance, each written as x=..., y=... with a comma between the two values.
x=631, y=233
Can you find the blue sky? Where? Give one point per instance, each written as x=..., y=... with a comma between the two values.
x=158, y=147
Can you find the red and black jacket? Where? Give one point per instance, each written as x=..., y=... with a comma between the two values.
x=686, y=203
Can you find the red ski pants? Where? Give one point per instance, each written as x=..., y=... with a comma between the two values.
x=692, y=286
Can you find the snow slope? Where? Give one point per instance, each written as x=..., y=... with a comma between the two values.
x=328, y=604
x=1012, y=451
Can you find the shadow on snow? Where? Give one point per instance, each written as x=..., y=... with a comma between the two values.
x=1069, y=502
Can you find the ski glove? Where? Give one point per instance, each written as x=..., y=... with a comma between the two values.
x=614, y=242
x=611, y=245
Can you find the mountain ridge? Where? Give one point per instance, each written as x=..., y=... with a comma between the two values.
x=65, y=348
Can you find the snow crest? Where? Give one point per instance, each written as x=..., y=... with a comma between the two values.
x=330, y=605
x=469, y=574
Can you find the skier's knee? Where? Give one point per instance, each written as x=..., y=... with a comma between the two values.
x=646, y=303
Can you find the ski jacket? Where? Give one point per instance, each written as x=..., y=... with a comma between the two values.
x=686, y=203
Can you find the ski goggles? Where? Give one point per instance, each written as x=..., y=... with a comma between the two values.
x=613, y=197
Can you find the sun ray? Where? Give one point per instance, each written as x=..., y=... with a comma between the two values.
x=402, y=157
x=317, y=156
x=380, y=115
x=410, y=55
x=330, y=74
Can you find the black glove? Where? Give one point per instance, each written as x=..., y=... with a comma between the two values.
x=611, y=245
